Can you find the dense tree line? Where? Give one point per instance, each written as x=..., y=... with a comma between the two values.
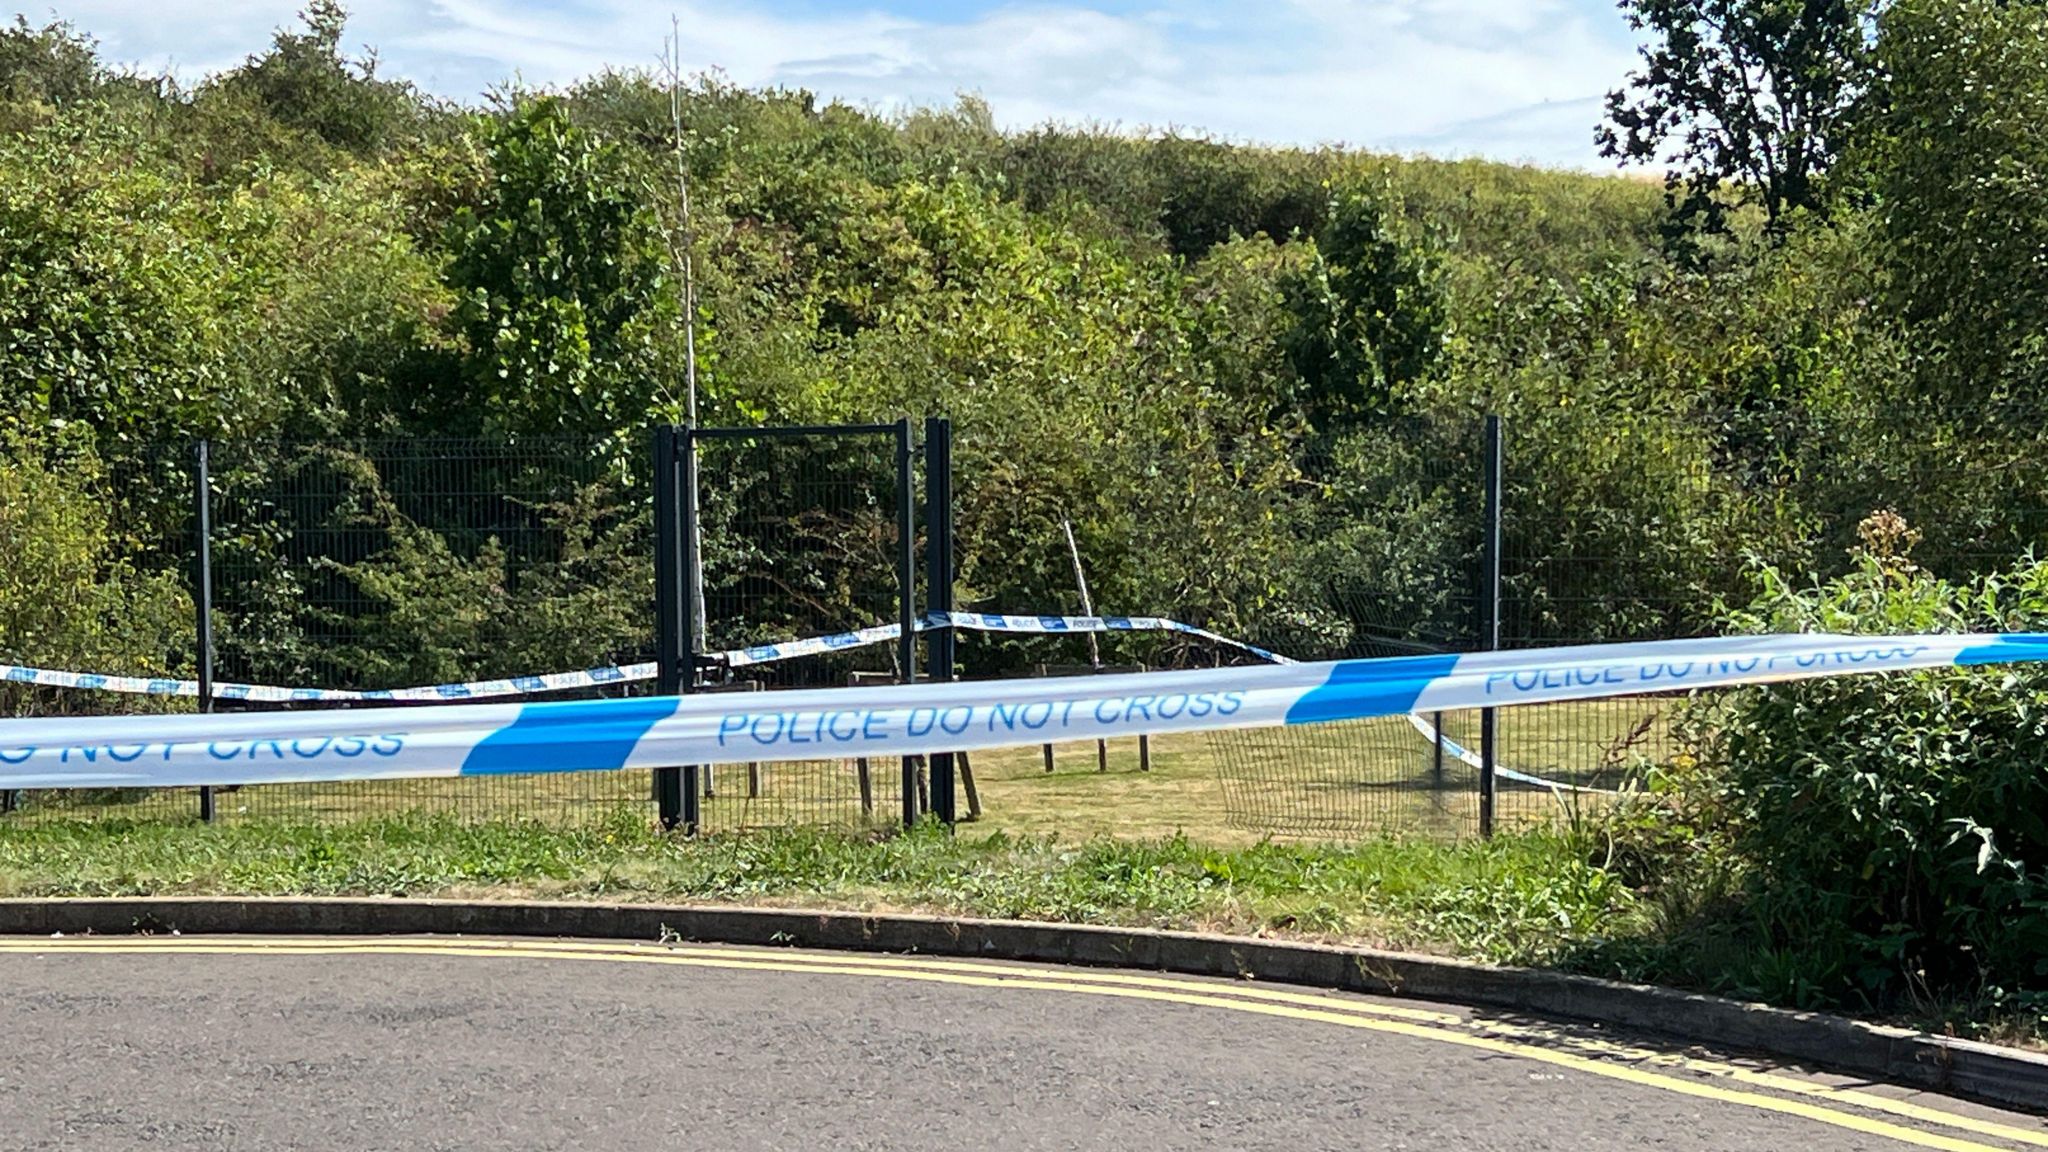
x=1250, y=377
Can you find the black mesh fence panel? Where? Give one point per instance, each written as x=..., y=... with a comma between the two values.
x=801, y=538
x=399, y=563
x=1393, y=528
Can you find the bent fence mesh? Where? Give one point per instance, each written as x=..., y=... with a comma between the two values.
x=375, y=565
x=1396, y=529
x=801, y=538
x=1649, y=537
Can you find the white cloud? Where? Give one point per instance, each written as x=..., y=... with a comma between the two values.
x=1515, y=79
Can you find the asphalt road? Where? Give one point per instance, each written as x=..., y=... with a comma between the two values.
x=188, y=1043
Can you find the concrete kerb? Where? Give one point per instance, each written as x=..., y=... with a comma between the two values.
x=1963, y=1068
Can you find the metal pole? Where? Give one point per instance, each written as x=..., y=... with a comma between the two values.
x=938, y=584
x=1489, y=607
x=690, y=639
x=906, y=582
x=669, y=608
x=202, y=505
x=1437, y=753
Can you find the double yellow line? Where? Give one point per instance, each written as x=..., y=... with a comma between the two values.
x=1704, y=1079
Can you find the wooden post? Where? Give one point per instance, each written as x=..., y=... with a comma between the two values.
x=967, y=781
x=1094, y=647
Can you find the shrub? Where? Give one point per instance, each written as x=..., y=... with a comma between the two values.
x=67, y=600
x=1892, y=829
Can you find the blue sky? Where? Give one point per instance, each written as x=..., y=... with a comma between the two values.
x=1517, y=80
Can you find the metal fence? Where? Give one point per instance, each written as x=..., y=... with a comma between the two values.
x=375, y=565
x=803, y=532
x=1397, y=521
x=1652, y=538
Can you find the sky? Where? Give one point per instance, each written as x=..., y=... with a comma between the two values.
x=1514, y=80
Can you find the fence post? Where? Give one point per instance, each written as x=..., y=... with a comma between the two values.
x=1489, y=607
x=202, y=508
x=1436, y=762
x=938, y=584
x=669, y=609
x=688, y=641
x=906, y=581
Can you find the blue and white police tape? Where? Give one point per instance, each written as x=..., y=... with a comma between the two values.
x=273, y=694
x=1471, y=759
x=615, y=674
x=986, y=622
x=591, y=735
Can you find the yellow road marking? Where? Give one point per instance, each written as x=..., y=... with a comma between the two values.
x=1600, y=1048
x=796, y=956
x=1773, y=1081
x=1061, y=982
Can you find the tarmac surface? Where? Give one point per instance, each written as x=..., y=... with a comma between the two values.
x=441, y=1043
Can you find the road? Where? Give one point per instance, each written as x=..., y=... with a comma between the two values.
x=170, y=1042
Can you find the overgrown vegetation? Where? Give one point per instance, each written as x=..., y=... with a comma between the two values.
x=1249, y=377
x=1226, y=365
x=1868, y=841
x=1517, y=899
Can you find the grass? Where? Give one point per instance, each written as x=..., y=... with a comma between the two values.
x=1528, y=898
x=1350, y=779
x=1121, y=847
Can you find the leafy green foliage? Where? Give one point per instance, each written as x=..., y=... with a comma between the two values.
x=304, y=85
x=557, y=282
x=44, y=70
x=67, y=597
x=1257, y=402
x=1746, y=96
x=1369, y=316
x=1888, y=829
x=1962, y=177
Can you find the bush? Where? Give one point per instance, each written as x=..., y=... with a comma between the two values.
x=66, y=600
x=1891, y=830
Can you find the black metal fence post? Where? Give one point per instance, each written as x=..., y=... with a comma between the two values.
x=906, y=578
x=669, y=610
x=938, y=587
x=1489, y=607
x=1436, y=760
x=687, y=639
x=202, y=592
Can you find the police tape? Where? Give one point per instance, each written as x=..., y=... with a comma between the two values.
x=616, y=673
x=644, y=732
x=1471, y=759
x=987, y=622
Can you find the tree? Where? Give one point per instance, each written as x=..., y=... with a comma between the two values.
x=1369, y=315
x=305, y=84
x=54, y=64
x=1960, y=166
x=1756, y=93
x=557, y=277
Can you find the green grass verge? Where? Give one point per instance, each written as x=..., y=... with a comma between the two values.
x=1540, y=897
x=1528, y=898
